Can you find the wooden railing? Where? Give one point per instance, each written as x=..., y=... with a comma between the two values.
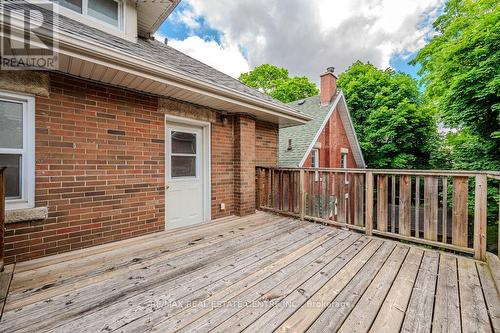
x=2, y=217
x=444, y=209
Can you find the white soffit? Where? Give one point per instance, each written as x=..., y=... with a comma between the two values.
x=152, y=13
x=102, y=72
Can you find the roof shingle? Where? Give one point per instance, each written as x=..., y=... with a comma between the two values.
x=154, y=52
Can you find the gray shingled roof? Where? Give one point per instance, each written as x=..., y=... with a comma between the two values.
x=302, y=135
x=158, y=53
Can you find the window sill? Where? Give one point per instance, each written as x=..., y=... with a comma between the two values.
x=28, y=214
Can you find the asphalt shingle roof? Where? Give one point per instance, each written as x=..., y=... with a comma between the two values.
x=155, y=52
x=302, y=135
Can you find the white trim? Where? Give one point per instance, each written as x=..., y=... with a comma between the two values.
x=353, y=131
x=318, y=133
x=27, y=199
x=92, y=21
x=344, y=159
x=315, y=153
x=206, y=165
x=191, y=130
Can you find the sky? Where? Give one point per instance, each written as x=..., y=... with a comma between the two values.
x=304, y=36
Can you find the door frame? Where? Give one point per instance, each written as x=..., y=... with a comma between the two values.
x=205, y=163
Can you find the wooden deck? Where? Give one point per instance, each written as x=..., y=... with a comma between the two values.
x=260, y=273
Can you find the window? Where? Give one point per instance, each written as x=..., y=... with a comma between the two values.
x=183, y=156
x=107, y=11
x=315, y=158
x=17, y=142
x=343, y=160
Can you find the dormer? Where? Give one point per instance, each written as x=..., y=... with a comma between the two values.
x=127, y=19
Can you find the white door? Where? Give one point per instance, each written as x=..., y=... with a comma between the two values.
x=185, y=176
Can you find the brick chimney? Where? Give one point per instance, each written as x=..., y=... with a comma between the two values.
x=328, y=87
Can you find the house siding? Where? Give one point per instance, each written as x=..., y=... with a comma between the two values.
x=100, y=167
x=332, y=139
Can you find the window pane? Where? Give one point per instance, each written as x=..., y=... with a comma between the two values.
x=11, y=125
x=183, y=143
x=75, y=5
x=104, y=10
x=12, y=175
x=183, y=166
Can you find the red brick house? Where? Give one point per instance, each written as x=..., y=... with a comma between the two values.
x=128, y=136
x=329, y=140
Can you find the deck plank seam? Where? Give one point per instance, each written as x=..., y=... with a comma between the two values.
x=191, y=272
x=290, y=263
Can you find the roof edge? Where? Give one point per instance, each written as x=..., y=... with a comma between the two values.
x=164, y=16
x=351, y=125
x=81, y=45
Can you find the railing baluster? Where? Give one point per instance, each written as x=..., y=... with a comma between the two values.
x=445, y=209
x=405, y=205
x=459, y=220
x=302, y=190
x=325, y=195
x=2, y=218
x=393, y=204
x=369, y=204
x=430, y=207
x=480, y=217
x=382, y=203
x=417, y=206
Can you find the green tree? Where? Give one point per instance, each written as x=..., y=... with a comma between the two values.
x=276, y=82
x=461, y=74
x=394, y=128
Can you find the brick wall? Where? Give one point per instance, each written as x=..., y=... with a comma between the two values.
x=244, y=163
x=266, y=143
x=223, y=151
x=100, y=167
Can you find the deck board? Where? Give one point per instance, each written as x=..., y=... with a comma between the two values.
x=259, y=273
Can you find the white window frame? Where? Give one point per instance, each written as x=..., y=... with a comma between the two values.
x=343, y=160
x=315, y=154
x=84, y=13
x=171, y=154
x=27, y=153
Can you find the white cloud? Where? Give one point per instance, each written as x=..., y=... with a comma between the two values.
x=187, y=17
x=226, y=58
x=306, y=36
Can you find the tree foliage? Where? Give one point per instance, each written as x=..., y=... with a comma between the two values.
x=394, y=128
x=461, y=74
x=276, y=82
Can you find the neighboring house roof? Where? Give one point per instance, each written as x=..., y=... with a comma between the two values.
x=161, y=55
x=305, y=136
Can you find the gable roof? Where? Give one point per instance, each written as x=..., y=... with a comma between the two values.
x=305, y=136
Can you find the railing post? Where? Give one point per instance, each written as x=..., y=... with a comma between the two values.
x=258, y=189
x=369, y=204
x=2, y=218
x=302, y=206
x=480, y=217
